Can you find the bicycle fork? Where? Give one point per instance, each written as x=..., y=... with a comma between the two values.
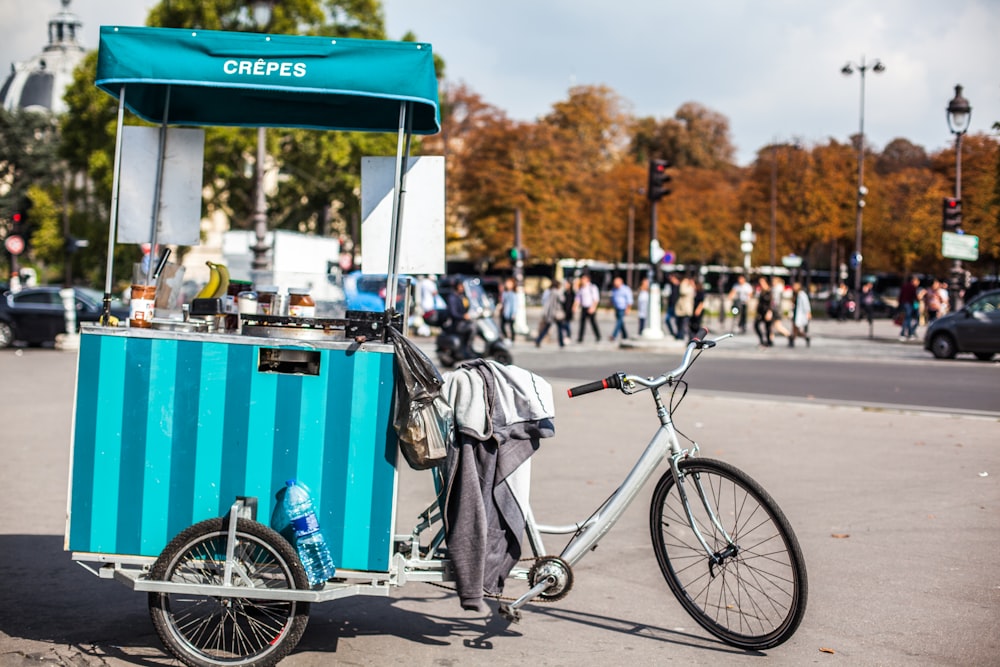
x=715, y=558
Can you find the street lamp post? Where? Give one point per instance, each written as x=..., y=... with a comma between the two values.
x=959, y=117
x=261, y=10
x=847, y=70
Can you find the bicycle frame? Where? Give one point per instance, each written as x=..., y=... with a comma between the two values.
x=587, y=534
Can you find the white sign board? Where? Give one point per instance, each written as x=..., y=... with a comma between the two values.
x=421, y=248
x=180, y=199
x=959, y=246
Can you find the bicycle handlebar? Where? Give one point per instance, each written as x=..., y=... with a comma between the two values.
x=623, y=381
x=610, y=382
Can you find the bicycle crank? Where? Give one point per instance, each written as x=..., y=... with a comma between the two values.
x=550, y=578
x=556, y=572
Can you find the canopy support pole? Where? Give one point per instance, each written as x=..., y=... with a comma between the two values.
x=158, y=190
x=113, y=221
x=404, y=136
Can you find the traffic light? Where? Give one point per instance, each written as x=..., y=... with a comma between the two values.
x=659, y=180
x=951, y=214
x=513, y=253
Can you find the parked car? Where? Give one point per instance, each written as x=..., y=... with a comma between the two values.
x=36, y=315
x=366, y=291
x=974, y=328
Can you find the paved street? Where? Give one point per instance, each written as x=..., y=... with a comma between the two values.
x=896, y=508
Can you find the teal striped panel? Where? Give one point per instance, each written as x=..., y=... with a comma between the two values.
x=81, y=495
x=156, y=482
x=107, y=437
x=210, y=387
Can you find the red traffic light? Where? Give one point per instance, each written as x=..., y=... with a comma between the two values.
x=951, y=214
x=16, y=217
x=658, y=180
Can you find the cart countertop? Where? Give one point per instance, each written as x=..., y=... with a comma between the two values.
x=332, y=341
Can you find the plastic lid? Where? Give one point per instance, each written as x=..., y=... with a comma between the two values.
x=298, y=290
x=268, y=289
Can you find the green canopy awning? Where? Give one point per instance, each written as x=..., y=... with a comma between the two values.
x=254, y=79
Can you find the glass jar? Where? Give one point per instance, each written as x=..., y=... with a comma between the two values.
x=231, y=302
x=265, y=297
x=246, y=302
x=300, y=304
x=142, y=306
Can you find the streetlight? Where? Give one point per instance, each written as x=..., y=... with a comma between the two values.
x=261, y=10
x=847, y=70
x=959, y=117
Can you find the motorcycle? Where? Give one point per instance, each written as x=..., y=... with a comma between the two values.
x=485, y=338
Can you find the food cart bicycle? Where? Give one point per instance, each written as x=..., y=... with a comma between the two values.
x=180, y=439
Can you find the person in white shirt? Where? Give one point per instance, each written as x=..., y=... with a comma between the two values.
x=588, y=297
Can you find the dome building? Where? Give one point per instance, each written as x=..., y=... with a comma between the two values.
x=38, y=84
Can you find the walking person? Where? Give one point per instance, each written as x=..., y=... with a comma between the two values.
x=642, y=304
x=777, y=298
x=553, y=312
x=684, y=307
x=867, y=305
x=621, y=301
x=588, y=297
x=909, y=303
x=801, y=314
x=673, y=293
x=740, y=296
x=508, y=309
x=568, y=303
x=762, y=320
x=694, y=326
x=427, y=298
x=932, y=302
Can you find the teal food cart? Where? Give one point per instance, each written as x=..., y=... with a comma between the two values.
x=182, y=439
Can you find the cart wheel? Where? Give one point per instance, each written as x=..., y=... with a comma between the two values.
x=209, y=631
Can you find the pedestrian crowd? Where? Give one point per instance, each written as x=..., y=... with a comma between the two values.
x=773, y=308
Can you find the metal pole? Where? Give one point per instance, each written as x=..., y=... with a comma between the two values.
x=630, y=244
x=774, y=205
x=260, y=247
x=858, y=195
x=113, y=222
x=520, y=316
x=956, y=268
x=154, y=225
x=654, y=328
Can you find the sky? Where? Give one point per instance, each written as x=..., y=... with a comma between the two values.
x=772, y=67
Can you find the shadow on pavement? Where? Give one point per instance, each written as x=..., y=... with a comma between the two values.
x=49, y=599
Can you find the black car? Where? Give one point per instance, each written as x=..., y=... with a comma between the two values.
x=36, y=315
x=974, y=328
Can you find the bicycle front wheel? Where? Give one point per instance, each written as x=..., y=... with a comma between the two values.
x=209, y=631
x=750, y=593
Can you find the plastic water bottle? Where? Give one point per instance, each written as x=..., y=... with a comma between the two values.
x=309, y=540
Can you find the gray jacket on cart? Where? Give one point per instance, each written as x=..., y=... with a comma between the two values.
x=501, y=413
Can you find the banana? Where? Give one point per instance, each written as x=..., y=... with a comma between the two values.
x=212, y=286
x=223, y=287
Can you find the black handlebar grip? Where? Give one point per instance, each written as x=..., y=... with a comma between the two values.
x=610, y=382
x=699, y=338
